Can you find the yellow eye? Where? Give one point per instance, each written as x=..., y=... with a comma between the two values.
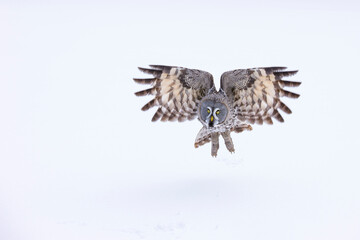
x=217, y=112
x=208, y=111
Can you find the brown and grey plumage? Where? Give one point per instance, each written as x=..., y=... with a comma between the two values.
x=246, y=96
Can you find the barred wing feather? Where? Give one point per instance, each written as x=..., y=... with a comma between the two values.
x=177, y=91
x=255, y=93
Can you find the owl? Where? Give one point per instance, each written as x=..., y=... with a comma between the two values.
x=246, y=96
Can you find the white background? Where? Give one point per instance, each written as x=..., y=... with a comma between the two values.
x=80, y=160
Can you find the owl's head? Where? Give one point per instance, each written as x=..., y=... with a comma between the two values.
x=213, y=111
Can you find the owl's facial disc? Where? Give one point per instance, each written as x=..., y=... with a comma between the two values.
x=213, y=113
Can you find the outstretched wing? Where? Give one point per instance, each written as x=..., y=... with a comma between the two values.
x=255, y=93
x=177, y=91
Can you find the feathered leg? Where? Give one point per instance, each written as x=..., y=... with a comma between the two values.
x=228, y=141
x=214, y=144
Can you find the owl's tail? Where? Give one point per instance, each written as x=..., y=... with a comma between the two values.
x=204, y=136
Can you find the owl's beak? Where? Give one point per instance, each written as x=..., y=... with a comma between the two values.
x=211, y=123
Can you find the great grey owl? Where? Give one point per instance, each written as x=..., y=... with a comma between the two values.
x=246, y=96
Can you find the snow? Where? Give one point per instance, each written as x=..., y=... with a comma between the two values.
x=80, y=160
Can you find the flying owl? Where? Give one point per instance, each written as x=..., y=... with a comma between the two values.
x=246, y=96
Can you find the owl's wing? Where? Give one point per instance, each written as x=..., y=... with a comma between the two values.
x=177, y=91
x=255, y=93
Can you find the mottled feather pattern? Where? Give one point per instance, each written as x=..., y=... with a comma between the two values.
x=177, y=91
x=256, y=93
